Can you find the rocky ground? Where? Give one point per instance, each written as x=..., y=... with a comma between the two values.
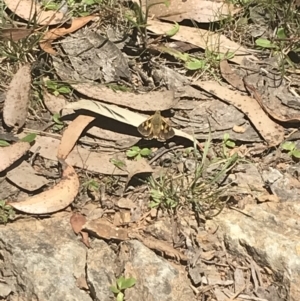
x=149, y=151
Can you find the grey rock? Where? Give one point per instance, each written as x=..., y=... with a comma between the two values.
x=157, y=279
x=100, y=272
x=42, y=259
x=270, y=235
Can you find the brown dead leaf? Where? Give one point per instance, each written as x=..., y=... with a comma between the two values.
x=231, y=77
x=151, y=101
x=239, y=129
x=10, y=154
x=53, y=103
x=15, y=34
x=25, y=177
x=270, y=131
x=17, y=98
x=77, y=220
x=104, y=229
x=159, y=245
x=31, y=10
x=79, y=157
x=198, y=10
x=82, y=283
x=71, y=135
x=117, y=113
x=56, y=33
x=203, y=39
x=138, y=167
x=54, y=199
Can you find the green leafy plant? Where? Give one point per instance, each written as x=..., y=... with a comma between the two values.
x=227, y=143
x=58, y=123
x=291, y=148
x=6, y=212
x=138, y=153
x=4, y=143
x=58, y=88
x=121, y=285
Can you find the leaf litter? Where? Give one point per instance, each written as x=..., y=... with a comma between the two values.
x=111, y=105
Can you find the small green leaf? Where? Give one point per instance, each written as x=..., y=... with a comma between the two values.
x=120, y=296
x=145, y=152
x=4, y=143
x=288, y=146
x=135, y=148
x=51, y=85
x=114, y=289
x=64, y=90
x=56, y=119
x=173, y=31
x=29, y=138
x=153, y=204
x=226, y=137
x=230, y=143
x=131, y=153
x=264, y=43
x=127, y=283
x=194, y=64
x=280, y=33
x=138, y=157
x=120, y=280
x=118, y=163
x=296, y=153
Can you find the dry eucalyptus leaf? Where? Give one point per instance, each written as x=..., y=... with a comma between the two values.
x=25, y=177
x=72, y=134
x=204, y=39
x=138, y=167
x=29, y=10
x=104, y=229
x=77, y=220
x=269, y=130
x=116, y=113
x=15, y=34
x=151, y=101
x=54, y=199
x=231, y=77
x=56, y=33
x=17, y=98
x=198, y=10
x=80, y=157
x=10, y=154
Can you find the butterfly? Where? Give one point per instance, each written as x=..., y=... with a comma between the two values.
x=156, y=127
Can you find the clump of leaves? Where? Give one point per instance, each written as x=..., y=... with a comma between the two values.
x=121, y=285
x=6, y=212
x=137, y=153
x=291, y=148
x=58, y=124
x=58, y=88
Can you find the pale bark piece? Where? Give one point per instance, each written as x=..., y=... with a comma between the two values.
x=198, y=10
x=53, y=103
x=72, y=134
x=104, y=229
x=54, y=199
x=29, y=10
x=80, y=157
x=25, y=177
x=151, y=101
x=272, y=133
x=204, y=39
x=231, y=77
x=10, y=154
x=56, y=33
x=17, y=98
x=117, y=113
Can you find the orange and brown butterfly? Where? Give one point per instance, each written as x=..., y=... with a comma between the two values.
x=156, y=127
